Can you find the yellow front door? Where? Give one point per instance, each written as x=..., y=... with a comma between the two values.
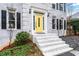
x=39, y=23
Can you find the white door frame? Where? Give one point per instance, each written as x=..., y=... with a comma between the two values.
x=45, y=19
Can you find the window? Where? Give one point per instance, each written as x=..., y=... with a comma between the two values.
x=53, y=6
x=14, y=19
x=64, y=7
x=61, y=6
x=18, y=20
x=53, y=23
x=57, y=6
x=3, y=19
x=61, y=24
x=11, y=19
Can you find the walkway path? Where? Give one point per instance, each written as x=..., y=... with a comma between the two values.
x=73, y=41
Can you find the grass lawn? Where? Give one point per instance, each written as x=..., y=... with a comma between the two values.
x=22, y=50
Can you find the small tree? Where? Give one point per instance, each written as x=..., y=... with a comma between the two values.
x=75, y=24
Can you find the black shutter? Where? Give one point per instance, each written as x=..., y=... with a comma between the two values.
x=3, y=19
x=65, y=25
x=18, y=20
x=57, y=25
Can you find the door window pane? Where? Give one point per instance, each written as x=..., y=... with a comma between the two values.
x=34, y=22
x=43, y=23
x=38, y=22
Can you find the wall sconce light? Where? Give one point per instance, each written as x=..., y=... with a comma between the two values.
x=62, y=18
x=54, y=16
x=29, y=11
x=48, y=15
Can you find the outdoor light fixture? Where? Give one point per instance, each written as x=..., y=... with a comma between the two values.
x=61, y=17
x=29, y=11
x=54, y=16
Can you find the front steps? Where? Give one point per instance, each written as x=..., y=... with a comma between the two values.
x=51, y=44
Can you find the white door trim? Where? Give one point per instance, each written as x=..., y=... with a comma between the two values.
x=45, y=19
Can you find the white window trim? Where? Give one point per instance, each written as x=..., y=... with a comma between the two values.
x=8, y=21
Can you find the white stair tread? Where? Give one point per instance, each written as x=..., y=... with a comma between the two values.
x=51, y=43
x=46, y=37
x=59, y=48
x=45, y=40
x=57, y=52
x=53, y=47
x=40, y=42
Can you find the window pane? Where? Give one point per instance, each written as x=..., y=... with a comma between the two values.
x=61, y=24
x=11, y=24
x=64, y=7
x=57, y=6
x=11, y=16
x=3, y=19
x=38, y=22
x=61, y=6
x=53, y=23
x=53, y=6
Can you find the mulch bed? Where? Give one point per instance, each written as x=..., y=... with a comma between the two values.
x=33, y=52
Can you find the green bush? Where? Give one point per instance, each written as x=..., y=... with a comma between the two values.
x=22, y=50
x=21, y=38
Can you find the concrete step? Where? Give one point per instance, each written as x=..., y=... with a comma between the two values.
x=51, y=43
x=58, y=48
x=46, y=37
x=57, y=52
x=48, y=40
x=53, y=47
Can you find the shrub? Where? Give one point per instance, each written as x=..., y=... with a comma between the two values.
x=21, y=38
x=17, y=51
